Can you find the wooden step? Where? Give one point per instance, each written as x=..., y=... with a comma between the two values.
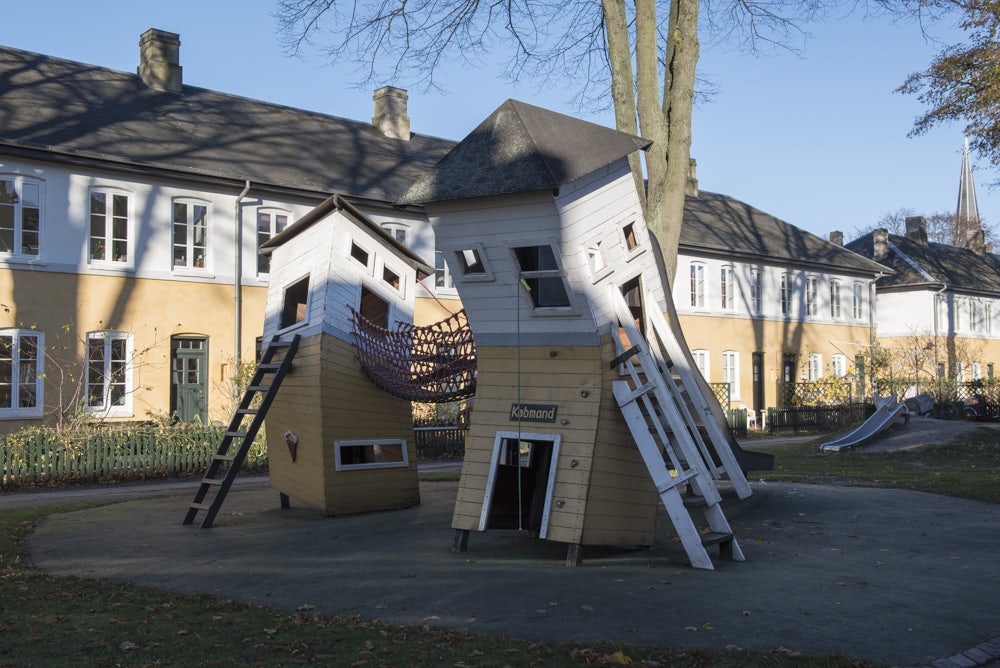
x=723, y=540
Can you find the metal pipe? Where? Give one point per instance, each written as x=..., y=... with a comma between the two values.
x=238, y=282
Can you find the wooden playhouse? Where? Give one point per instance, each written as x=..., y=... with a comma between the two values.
x=542, y=229
x=336, y=442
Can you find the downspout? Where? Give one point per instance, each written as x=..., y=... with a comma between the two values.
x=238, y=284
x=937, y=326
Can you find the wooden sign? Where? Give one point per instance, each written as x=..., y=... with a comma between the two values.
x=533, y=412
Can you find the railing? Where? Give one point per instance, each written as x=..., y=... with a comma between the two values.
x=42, y=456
x=818, y=418
x=440, y=442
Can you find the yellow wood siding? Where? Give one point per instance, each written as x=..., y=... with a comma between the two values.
x=326, y=399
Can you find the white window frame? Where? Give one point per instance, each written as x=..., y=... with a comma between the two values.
x=839, y=365
x=835, y=299
x=812, y=296
x=398, y=231
x=14, y=411
x=274, y=227
x=191, y=249
x=702, y=362
x=858, y=301
x=697, y=273
x=403, y=462
x=596, y=259
x=282, y=326
x=727, y=287
x=815, y=367
x=17, y=252
x=559, y=273
x=443, y=281
x=988, y=318
x=731, y=372
x=633, y=238
x=105, y=408
x=785, y=294
x=756, y=292
x=977, y=371
x=109, y=216
x=498, y=450
x=464, y=261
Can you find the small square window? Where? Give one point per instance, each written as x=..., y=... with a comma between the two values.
x=390, y=277
x=631, y=240
x=471, y=262
x=371, y=454
x=359, y=254
x=293, y=310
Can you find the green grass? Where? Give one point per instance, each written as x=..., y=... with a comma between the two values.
x=75, y=622
x=968, y=467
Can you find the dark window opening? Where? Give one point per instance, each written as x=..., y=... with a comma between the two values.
x=359, y=254
x=541, y=275
x=390, y=277
x=631, y=241
x=293, y=309
x=632, y=290
x=374, y=309
x=371, y=453
x=471, y=262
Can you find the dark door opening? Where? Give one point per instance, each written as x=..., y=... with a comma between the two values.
x=520, y=485
x=757, y=369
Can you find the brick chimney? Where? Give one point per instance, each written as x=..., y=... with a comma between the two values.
x=916, y=229
x=837, y=237
x=390, y=112
x=880, y=244
x=159, y=60
x=692, y=181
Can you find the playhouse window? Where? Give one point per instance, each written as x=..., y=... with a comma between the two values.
x=360, y=254
x=390, y=277
x=373, y=308
x=370, y=454
x=293, y=309
x=472, y=263
x=631, y=241
x=541, y=275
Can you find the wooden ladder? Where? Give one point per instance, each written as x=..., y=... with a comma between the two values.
x=225, y=466
x=663, y=431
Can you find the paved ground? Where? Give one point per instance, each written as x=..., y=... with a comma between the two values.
x=900, y=577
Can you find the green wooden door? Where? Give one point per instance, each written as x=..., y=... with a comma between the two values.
x=189, y=378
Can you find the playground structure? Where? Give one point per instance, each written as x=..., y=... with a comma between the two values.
x=589, y=412
x=888, y=412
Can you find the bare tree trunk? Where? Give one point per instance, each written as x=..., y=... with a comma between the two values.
x=622, y=81
x=666, y=196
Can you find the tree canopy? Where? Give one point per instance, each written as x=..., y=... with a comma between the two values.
x=962, y=84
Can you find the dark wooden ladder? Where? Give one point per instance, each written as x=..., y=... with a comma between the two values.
x=224, y=468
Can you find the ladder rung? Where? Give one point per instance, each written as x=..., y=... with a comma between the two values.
x=211, y=481
x=268, y=367
x=224, y=458
x=715, y=538
x=235, y=434
x=201, y=506
x=247, y=411
x=258, y=388
x=676, y=480
x=638, y=392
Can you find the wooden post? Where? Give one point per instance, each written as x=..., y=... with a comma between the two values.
x=574, y=554
x=460, y=543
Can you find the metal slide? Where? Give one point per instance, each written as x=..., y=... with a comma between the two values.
x=887, y=413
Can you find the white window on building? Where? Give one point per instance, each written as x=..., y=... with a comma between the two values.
x=977, y=371
x=397, y=231
x=988, y=318
x=786, y=294
x=835, y=300
x=839, y=365
x=974, y=317
x=815, y=366
x=727, y=288
x=270, y=222
x=109, y=380
x=731, y=373
x=857, y=305
x=22, y=372
x=20, y=215
x=697, y=285
x=110, y=216
x=812, y=307
x=701, y=362
x=960, y=372
x=190, y=236
x=442, y=275
x=755, y=292
x=542, y=276
x=961, y=315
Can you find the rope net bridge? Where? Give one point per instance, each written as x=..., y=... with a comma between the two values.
x=433, y=364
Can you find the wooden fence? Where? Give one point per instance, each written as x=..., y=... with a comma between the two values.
x=40, y=457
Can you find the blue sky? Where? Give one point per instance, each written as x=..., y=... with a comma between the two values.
x=817, y=139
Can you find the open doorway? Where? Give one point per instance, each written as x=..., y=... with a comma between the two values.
x=522, y=476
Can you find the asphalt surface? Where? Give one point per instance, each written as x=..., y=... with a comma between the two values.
x=903, y=578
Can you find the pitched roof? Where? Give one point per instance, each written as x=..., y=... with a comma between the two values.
x=933, y=264
x=70, y=108
x=521, y=148
x=718, y=223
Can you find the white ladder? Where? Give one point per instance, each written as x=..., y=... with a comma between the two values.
x=668, y=440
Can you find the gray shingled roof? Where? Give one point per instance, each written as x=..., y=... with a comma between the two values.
x=67, y=107
x=936, y=265
x=522, y=148
x=726, y=225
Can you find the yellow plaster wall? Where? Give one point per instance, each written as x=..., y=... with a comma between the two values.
x=65, y=307
x=773, y=338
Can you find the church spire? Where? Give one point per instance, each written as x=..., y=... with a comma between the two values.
x=968, y=227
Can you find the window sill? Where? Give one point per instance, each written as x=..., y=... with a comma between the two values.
x=111, y=268
x=21, y=260
x=14, y=414
x=189, y=272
